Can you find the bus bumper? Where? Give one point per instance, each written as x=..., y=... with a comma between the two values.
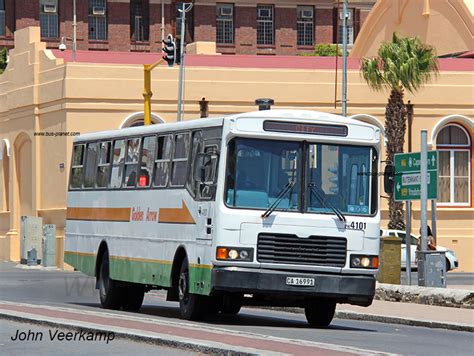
x=352, y=289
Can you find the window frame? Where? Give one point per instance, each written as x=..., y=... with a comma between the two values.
x=452, y=148
x=144, y=27
x=93, y=18
x=304, y=23
x=77, y=167
x=140, y=161
x=3, y=19
x=49, y=15
x=136, y=163
x=120, y=164
x=186, y=159
x=223, y=23
x=85, y=166
x=163, y=160
x=350, y=27
x=100, y=165
x=261, y=26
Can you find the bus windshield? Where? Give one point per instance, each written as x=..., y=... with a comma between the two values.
x=258, y=170
x=337, y=177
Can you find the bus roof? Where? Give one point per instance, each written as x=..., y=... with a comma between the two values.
x=280, y=114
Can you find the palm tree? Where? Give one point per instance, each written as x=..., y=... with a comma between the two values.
x=405, y=63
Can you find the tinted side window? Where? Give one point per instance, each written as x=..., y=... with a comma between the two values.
x=77, y=166
x=180, y=160
x=91, y=165
x=131, y=162
x=147, y=161
x=103, y=167
x=117, y=164
x=162, y=162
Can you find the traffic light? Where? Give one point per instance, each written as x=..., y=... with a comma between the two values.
x=169, y=50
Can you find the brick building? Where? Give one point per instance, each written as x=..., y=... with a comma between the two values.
x=281, y=27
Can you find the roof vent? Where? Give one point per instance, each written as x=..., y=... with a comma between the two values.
x=264, y=103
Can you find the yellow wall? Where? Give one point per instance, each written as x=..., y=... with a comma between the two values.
x=39, y=93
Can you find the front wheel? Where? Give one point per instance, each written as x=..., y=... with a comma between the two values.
x=448, y=265
x=191, y=306
x=319, y=313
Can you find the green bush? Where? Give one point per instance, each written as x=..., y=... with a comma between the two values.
x=325, y=50
x=3, y=59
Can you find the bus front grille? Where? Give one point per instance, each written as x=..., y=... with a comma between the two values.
x=290, y=249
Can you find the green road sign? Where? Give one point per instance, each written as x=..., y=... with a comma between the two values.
x=408, y=177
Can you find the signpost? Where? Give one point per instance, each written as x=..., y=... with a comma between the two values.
x=408, y=176
x=408, y=186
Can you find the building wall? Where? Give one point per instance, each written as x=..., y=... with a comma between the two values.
x=21, y=14
x=40, y=93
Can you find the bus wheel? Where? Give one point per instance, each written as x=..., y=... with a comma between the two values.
x=191, y=306
x=320, y=312
x=108, y=290
x=133, y=298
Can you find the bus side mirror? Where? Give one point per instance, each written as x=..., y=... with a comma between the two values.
x=388, y=178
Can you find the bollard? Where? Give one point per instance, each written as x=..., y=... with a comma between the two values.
x=49, y=245
x=31, y=238
x=390, y=260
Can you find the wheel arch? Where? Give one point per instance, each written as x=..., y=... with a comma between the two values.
x=100, y=252
x=179, y=256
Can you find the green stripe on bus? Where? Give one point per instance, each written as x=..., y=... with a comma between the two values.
x=152, y=272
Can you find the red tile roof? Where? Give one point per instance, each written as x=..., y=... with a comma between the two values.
x=241, y=61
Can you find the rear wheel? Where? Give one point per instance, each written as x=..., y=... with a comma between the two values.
x=230, y=309
x=109, y=292
x=319, y=313
x=191, y=306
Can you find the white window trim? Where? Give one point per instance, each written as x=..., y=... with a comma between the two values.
x=467, y=145
x=451, y=177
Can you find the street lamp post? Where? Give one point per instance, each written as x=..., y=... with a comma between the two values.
x=345, y=15
x=74, y=33
x=183, y=11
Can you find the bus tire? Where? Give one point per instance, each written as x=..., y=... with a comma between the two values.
x=319, y=312
x=133, y=298
x=109, y=292
x=191, y=306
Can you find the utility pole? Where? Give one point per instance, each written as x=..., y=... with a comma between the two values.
x=74, y=32
x=345, y=15
x=424, y=199
x=186, y=8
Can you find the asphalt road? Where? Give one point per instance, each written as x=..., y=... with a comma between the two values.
x=457, y=279
x=74, y=290
x=39, y=343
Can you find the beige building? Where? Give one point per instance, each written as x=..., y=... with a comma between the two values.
x=45, y=98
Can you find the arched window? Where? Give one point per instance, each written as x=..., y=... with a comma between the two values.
x=454, y=146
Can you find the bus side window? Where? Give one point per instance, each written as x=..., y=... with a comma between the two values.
x=163, y=156
x=103, y=167
x=207, y=189
x=117, y=164
x=131, y=162
x=147, y=161
x=77, y=166
x=91, y=165
x=197, y=144
x=180, y=160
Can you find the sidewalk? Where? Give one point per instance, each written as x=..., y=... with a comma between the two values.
x=411, y=314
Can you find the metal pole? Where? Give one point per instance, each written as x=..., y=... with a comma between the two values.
x=433, y=218
x=424, y=198
x=181, y=63
x=345, y=14
x=162, y=20
x=74, y=33
x=408, y=241
x=147, y=94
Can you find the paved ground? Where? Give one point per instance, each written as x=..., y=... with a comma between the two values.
x=72, y=292
x=40, y=343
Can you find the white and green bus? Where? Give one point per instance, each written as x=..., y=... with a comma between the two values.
x=275, y=207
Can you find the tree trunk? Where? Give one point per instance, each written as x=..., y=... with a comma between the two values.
x=395, y=127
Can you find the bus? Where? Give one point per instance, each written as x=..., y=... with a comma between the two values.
x=267, y=208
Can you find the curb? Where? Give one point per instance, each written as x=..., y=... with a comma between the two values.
x=137, y=337
x=349, y=315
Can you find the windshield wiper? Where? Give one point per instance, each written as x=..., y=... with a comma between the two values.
x=336, y=211
x=278, y=199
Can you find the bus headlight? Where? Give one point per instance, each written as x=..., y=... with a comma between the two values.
x=361, y=261
x=234, y=254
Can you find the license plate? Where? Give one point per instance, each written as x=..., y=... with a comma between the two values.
x=300, y=281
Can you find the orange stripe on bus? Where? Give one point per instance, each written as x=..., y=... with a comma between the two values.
x=98, y=214
x=176, y=215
